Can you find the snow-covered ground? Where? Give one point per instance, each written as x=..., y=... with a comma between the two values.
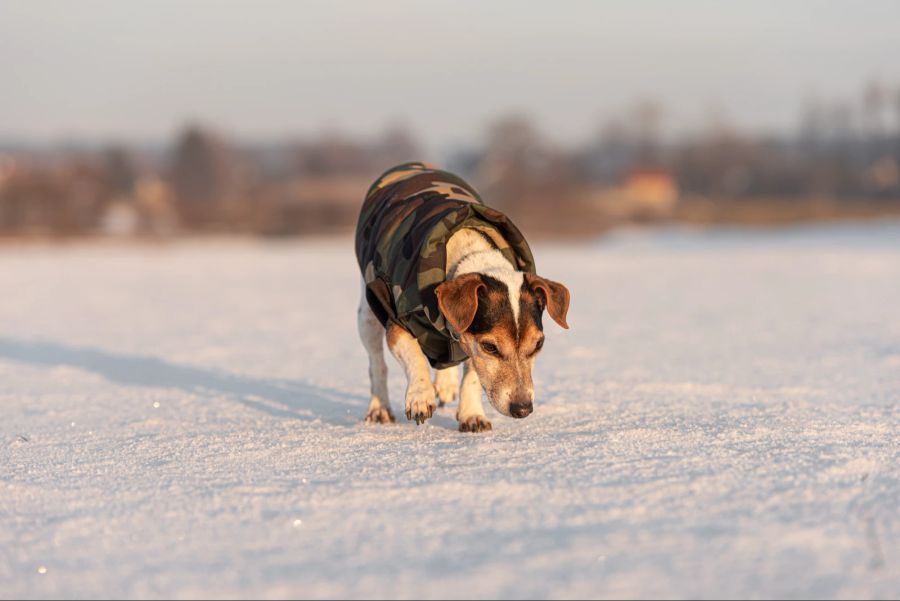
x=723, y=419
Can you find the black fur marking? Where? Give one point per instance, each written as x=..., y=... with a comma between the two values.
x=488, y=239
x=490, y=312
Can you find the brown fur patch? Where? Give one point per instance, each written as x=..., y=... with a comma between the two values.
x=458, y=300
x=555, y=295
x=393, y=334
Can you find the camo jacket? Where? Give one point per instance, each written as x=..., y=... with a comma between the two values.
x=408, y=216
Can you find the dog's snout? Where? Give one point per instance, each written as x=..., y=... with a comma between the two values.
x=520, y=410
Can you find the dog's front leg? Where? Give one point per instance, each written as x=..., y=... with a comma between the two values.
x=471, y=415
x=446, y=384
x=420, y=403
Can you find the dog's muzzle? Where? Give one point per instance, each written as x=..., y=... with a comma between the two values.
x=520, y=410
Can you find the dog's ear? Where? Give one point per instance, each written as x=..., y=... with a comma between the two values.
x=458, y=300
x=555, y=294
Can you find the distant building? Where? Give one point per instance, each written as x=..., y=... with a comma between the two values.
x=149, y=211
x=652, y=190
x=645, y=193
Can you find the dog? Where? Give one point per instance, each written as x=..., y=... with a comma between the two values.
x=447, y=280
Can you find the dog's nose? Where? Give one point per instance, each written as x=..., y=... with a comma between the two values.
x=520, y=410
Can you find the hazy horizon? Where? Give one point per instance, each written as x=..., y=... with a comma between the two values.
x=139, y=71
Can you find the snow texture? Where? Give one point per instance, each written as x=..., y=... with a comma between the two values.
x=185, y=420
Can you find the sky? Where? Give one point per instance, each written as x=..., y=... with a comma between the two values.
x=139, y=70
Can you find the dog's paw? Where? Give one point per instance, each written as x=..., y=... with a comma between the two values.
x=420, y=405
x=446, y=391
x=380, y=415
x=475, y=423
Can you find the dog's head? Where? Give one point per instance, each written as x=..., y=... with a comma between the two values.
x=498, y=318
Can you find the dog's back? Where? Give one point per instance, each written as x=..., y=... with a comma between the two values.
x=406, y=200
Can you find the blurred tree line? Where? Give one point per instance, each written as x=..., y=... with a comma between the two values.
x=842, y=161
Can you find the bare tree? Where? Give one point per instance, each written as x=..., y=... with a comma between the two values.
x=648, y=115
x=875, y=100
x=207, y=176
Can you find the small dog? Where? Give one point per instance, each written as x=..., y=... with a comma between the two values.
x=448, y=280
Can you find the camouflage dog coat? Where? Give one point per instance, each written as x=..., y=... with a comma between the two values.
x=408, y=216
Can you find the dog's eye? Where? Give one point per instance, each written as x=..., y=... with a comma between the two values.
x=538, y=346
x=490, y=348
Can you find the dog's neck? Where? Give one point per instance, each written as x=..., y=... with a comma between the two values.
x=474, y=251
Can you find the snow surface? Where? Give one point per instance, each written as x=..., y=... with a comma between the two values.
x=722, y=420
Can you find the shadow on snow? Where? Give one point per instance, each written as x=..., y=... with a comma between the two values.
x=280, y=398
